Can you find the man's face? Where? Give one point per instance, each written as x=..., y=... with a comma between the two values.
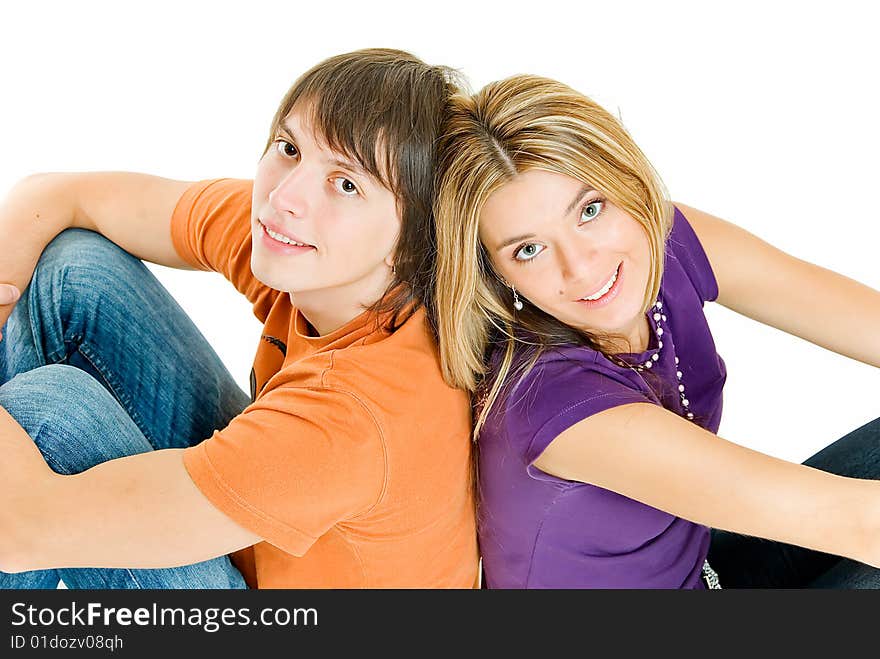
x=320, y=223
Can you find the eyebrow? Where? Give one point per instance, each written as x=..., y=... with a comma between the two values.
x=353, y=166
x=339, y=162
x=515, y=239
x=580, y=195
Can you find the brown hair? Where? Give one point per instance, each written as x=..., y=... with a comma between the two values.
x=512, y=126
x=383, y=108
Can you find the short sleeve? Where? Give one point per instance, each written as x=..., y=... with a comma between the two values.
x=211, y=230
x=561, y=392
x=292, y=465
x=689, y=250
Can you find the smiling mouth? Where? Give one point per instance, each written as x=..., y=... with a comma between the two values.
x=607, y=287
x=281, y=238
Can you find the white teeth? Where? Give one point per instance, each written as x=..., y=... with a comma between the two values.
x=604, y=289
x=282, y=238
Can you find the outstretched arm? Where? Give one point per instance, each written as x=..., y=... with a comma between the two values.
x=652, y=455
x=766, y=284
x=141, y=511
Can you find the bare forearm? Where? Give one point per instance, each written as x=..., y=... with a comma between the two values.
x=842, y=520
x=36, y=210
x=652, y=455
x=32, y=213
x=849, y=317
x=27, y=485
x=133, y=210
x=87, y=527
x=749, y=492
x=762, y=282
x=142, y=511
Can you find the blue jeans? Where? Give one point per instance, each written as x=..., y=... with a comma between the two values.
x=98, y=362
x=748, y=562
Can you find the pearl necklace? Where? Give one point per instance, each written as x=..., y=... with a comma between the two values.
x=660, y=317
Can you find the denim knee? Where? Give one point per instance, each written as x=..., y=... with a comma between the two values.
x=85, y=261
x=81, y=247
x=79, y=272
x=73, y=419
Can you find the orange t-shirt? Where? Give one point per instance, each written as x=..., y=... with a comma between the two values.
x=352, y=461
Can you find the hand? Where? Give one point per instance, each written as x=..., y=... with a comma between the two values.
x=9, y=295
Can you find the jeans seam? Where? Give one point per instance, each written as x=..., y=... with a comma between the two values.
x=134, y=578
x=50, y=457
x=56, y=356
x=115, y=388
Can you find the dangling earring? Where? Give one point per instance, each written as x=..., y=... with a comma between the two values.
x=517, y=303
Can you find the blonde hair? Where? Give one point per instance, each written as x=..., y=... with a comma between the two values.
x=512, y=126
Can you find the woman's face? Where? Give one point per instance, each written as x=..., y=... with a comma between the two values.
x=570, y=252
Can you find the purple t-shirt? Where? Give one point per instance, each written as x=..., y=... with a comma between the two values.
x=540, y=531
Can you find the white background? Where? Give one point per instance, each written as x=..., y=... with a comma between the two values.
x=764, y=113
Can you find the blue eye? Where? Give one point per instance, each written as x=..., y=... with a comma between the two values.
x=345, y=186
x=591, y=211
x=286, y=148
x=528, y=251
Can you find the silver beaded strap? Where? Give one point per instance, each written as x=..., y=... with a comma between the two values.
x=710, y=576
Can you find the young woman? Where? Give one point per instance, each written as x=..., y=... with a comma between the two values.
x=571, y=297
x=127, y=445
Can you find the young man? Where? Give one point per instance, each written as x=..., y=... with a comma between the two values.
x=349, y=466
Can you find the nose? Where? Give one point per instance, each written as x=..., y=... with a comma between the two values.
x=289, y=195
x=574, y=260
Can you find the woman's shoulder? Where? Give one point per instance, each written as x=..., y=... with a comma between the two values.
x=564, y=385
x=702, y=225
x=562, y=377
x=688, y=243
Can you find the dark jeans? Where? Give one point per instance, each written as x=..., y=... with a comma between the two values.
x=749, y=562
x=98, y=361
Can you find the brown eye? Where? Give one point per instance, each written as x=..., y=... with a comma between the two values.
x=286, y=148
x=345, y=186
